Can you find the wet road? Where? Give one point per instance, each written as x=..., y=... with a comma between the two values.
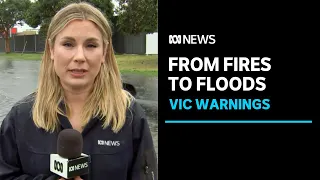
x=19, y=78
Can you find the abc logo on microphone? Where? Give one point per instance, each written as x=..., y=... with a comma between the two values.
x=69, y=168
x=58, y=166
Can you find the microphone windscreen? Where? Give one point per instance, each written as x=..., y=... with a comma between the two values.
x=69, y=144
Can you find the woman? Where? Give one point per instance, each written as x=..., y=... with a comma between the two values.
x=79, y=87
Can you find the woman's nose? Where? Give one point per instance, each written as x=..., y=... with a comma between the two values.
x=79, y=56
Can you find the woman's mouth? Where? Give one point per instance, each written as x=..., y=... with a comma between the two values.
x=78, y=72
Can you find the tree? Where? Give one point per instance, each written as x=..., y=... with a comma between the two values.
x=11, y=12
x=42, y=11
x=136, y=16
x=105, y=6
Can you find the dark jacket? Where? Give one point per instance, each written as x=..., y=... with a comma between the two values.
x=25, y=149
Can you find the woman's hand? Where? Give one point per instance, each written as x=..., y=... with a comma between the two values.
x=75, y=178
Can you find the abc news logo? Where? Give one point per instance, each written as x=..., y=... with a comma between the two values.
x=58, y=166
x=78, y=167
x=108, y=143
x=192, y=39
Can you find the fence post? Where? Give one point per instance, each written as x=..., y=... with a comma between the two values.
x=35, y=43
x=24, y=47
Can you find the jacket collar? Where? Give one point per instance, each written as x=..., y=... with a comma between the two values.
x=65, y=123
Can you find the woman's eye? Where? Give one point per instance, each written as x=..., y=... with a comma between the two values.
x=67, y=44
x=92, y=46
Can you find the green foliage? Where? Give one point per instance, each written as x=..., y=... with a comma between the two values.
x=11, y=12
x=136, y=16
x=42, y=11
x=105, y=6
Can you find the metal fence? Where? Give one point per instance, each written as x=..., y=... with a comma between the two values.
x=129, y=44
x=123, y=44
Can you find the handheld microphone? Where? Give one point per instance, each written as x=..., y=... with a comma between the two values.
x=70, y=161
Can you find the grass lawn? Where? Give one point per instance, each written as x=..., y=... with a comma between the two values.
x=141, y=64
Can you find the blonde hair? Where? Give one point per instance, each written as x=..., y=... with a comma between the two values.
x=108, y=100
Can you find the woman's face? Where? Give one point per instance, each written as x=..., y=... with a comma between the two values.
x=78, y=54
